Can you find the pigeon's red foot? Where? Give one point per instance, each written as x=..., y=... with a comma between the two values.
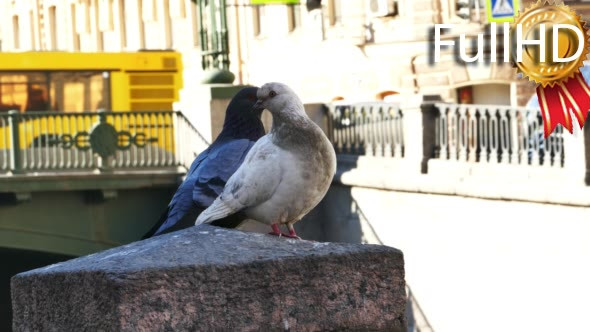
x=292, y=233
x=292, y=236
x=276, y=230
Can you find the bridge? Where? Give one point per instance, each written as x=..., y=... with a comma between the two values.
x=76, y=183
x=471, y=193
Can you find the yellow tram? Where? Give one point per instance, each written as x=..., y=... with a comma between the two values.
x=65, y=82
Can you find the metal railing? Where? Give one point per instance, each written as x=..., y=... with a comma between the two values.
x=51, y=141
x=496, y=134
x=373, y=129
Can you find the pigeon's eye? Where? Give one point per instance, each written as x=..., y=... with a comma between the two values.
x=272, y=94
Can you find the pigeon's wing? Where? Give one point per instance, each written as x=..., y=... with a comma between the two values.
x=253, y=183
x=182, y=201
x=216, y=170
x=204, y=182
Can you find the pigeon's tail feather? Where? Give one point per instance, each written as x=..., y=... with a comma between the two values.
x=158, y=224
x=219, y=209
x=185, y=221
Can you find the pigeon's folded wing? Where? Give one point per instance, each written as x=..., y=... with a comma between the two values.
x=252, y=184
x=216, y=170
x=181, y=202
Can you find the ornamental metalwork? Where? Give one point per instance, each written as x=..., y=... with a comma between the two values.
x=103, y=139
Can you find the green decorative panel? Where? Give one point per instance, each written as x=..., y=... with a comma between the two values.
x=103, y=139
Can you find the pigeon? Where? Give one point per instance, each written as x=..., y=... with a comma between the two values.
x=213, y=167
x=285, y=174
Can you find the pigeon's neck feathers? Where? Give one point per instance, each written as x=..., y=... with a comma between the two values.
x=249, y=127
x=294, y=131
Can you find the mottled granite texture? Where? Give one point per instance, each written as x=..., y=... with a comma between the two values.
x=207, y=278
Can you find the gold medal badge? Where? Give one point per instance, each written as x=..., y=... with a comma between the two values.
x=561, y=86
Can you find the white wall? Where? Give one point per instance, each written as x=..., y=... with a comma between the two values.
x=491, y=94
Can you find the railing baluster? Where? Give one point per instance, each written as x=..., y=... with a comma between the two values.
x=444, y=133
x=558, y=147
x=452, y=133
x=13, y=122
x=378, y=128
x=154, y=124
x=546, y=149
x=504, y=133
x=135, y=131
x=493, y=136
x=534, y=143
x=472, y=135
x=513, y=136
x=5, y=143
x=23, y=136
x=170, y=137
x=462, y=134
x=358, y=129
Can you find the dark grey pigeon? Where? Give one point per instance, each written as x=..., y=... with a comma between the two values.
x=214, y=166
x=285, y=174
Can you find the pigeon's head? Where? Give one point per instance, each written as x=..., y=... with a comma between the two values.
x=242, y=104
x=242, y=119
x=278, y=98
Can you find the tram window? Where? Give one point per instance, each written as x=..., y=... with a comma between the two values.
x=54, y=91
x=24, y=92
x=79, y=91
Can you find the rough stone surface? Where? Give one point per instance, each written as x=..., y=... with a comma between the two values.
x=207, y=278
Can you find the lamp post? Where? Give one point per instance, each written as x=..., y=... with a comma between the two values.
x=214, y=41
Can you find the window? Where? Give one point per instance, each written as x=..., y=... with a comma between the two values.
x=99, y=33
x=75, y=34
x=167, y=26
x=468, y=10
x=55, y=91
x=122, y=26
x=177, y=8
x=293, y=17
x=196, y=37
x=24, y=92
x=52, y=28
x=141, y=24
x=257, y=11
x=382, y=8
x=83, y=17
x=465, y=95
x=148, y=10
x=334, y=11
x=32, y=29
x=105, y=15
x=79, y=91
x=15, y=32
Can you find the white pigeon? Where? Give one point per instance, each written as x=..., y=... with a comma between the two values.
x=285, y=174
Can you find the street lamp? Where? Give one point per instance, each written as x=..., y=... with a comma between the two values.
x=214, y=41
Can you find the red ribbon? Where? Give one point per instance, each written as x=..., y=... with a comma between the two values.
x=559, y=100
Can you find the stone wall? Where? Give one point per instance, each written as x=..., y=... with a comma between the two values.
x=207, y=278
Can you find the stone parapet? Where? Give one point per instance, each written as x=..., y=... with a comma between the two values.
x=213, y=279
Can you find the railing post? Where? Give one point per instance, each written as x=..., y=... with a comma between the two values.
x=574, y=155
x=13, y=121
x=103, y=142
x=418, y=136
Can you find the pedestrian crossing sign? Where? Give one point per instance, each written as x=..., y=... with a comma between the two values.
x=501, y=10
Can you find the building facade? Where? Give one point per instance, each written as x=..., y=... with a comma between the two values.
x=355, y=50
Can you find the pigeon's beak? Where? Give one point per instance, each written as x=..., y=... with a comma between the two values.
x=258, y=106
